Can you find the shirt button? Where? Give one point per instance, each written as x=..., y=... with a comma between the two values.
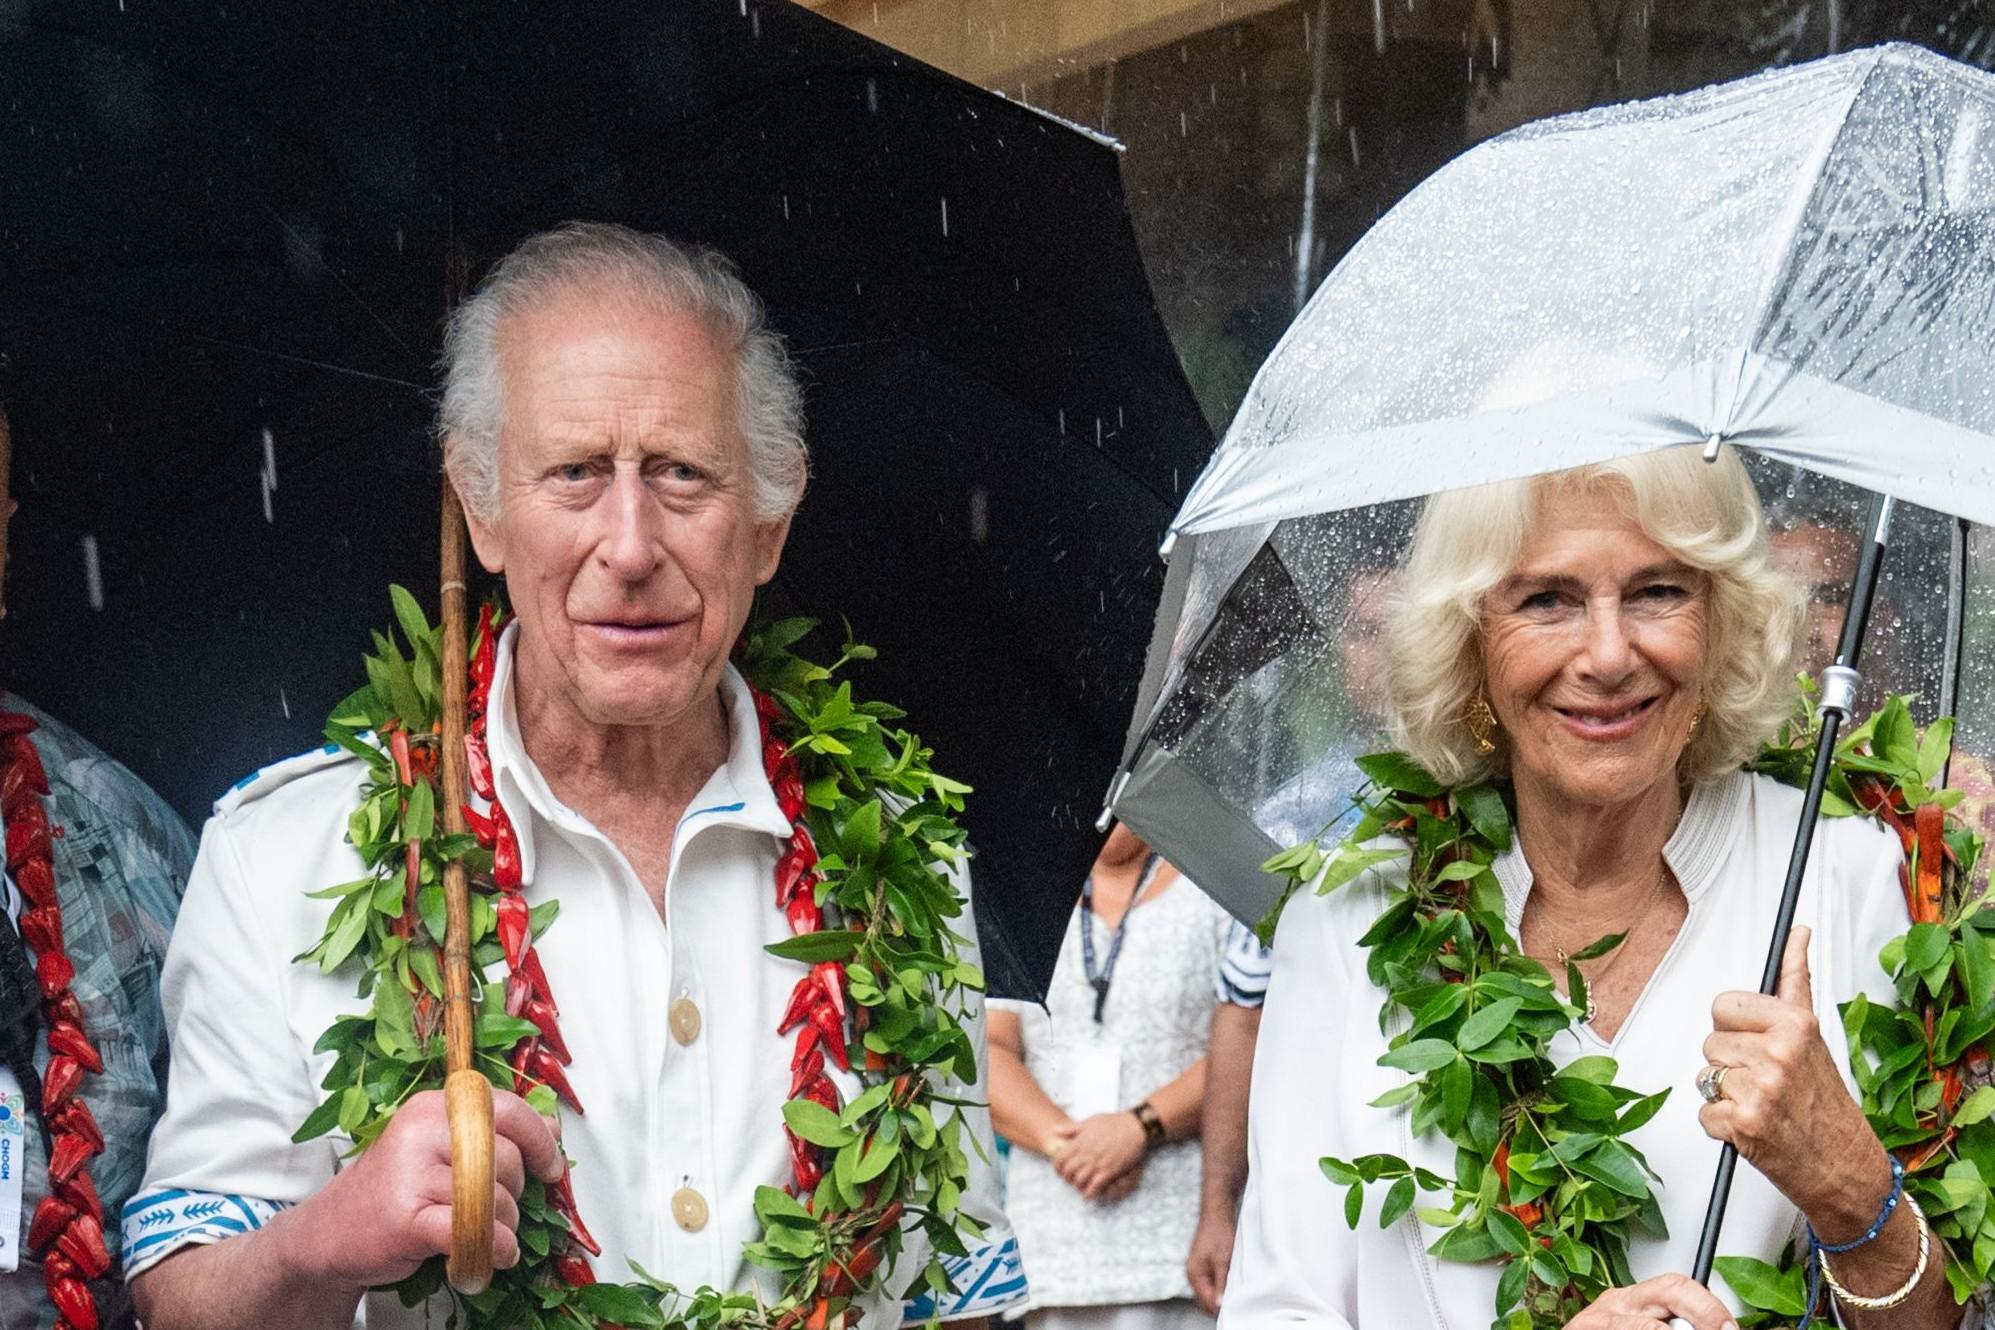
x=689, y=1208
x=684, y=1020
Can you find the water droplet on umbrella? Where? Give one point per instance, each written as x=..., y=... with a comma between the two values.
x=284, y=702
x=269, y=460
x=945, y=216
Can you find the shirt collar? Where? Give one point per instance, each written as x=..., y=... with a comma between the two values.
x=737, y=794
x=1713, y=817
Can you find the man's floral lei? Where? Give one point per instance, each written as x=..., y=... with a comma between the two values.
x=1546, y=1181
x=864, y=883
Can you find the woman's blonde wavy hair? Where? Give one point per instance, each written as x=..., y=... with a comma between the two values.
x=1705, y=514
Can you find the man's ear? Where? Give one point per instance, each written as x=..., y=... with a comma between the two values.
x=485, y=538
x=769, y=540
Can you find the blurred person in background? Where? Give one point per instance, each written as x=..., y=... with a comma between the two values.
x=96, y=863
x=1100, y=1093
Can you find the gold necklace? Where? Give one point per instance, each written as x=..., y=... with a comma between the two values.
x=1621, y=948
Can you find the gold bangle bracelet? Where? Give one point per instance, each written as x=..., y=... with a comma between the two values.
x=1904, y=1291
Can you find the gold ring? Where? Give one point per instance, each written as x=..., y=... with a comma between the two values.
x=1711, y=1082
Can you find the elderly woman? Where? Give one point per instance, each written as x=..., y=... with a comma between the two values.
x=1611, y=644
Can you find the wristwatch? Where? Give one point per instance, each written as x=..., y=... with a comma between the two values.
x=1153, y=1126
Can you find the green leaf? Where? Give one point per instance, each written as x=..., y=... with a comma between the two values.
x=322, y=1120
x=1595, y=950
x=1766, y=1287
x=1934, y=746
x=419, y=819
x=1354, y=1204
x=1977, y=1107
x=1485, y=1025
x=831, y=944
x=1422, y=1055
x=817, y=1124
x=1614, y=1164
x=408, y=613
x=1397, y=1202
x=1925, y=946
x=346, y=934
x=1485, y=811
x=1400, y=773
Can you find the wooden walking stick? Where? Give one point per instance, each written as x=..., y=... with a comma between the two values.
x=467, y=1094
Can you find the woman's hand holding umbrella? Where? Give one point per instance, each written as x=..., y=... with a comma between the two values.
x=1781, y=1102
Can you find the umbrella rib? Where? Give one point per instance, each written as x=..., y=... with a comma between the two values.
x=307, y=361
x=1811, y=182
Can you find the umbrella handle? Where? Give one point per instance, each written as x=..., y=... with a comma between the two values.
x=467, y=1095
x=467, y=1099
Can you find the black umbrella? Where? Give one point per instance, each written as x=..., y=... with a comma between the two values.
x=224, y=252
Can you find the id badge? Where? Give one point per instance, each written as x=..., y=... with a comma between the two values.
x=1096, y=1084
x=13, y=1162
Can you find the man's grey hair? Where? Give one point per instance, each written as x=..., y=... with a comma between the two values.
x=599, y=256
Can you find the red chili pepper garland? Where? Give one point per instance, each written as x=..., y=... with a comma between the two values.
x=68, y=1226
x=818, y=1004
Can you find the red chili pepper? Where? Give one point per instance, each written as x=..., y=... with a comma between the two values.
x=68, y=1037
x=65, y=1007
x=803, y=914
x=831, y=980
x=15, y=722
x=823, y=1093
x=542, y=1015
x=478, y=767
x=807, y=1067
x=81, y=1193
x=514, y=932
x=802, y=998
x=506, y=869
x=76, y=1118
x=831, y=1030
x=398, y=748
x=888, y=1218
x=412, y=872
x=24, y=780
x=83, y=1243
x=790, y=797
x=25, y=758
x=70, y=1154
x=73, y=1303
x=573, y=1270
x=792, y=875
x=543, y=1066
x=563, y=1194
x=41, y=928
x=52, y=1216
x=536, y=979
x=36, y=879
x=28, y=836
x=481, y=827
x=805, y=1167
x=765, y=707
x=53, y=971
x=1929, y=822
x=59, y=1081
x=774, y=751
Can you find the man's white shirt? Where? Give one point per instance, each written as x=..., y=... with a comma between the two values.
x=699, y=1120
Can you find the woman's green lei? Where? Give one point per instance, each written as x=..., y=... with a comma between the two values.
x=1545, y=1179
x=884, y=822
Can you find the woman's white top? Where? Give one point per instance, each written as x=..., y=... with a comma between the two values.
x=1296, y=1262
x=1156, y=1023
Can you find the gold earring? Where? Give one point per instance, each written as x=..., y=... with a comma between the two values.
x=1696, y=718
x=1481, y=720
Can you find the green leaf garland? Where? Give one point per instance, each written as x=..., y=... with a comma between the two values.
x=886, y=821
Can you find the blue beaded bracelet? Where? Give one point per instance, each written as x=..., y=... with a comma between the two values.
x=1816, y=1246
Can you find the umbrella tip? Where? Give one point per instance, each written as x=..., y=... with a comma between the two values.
x=1711, y=447
x=1164, y=550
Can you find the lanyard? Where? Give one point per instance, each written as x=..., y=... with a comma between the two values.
x=1101, y=978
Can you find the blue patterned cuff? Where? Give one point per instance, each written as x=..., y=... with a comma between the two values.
x=159, y=1223
x=988, y=1280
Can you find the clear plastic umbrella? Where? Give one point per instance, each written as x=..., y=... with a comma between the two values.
x=1801, y=264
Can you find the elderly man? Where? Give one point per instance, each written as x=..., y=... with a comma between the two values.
x=625, y=433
